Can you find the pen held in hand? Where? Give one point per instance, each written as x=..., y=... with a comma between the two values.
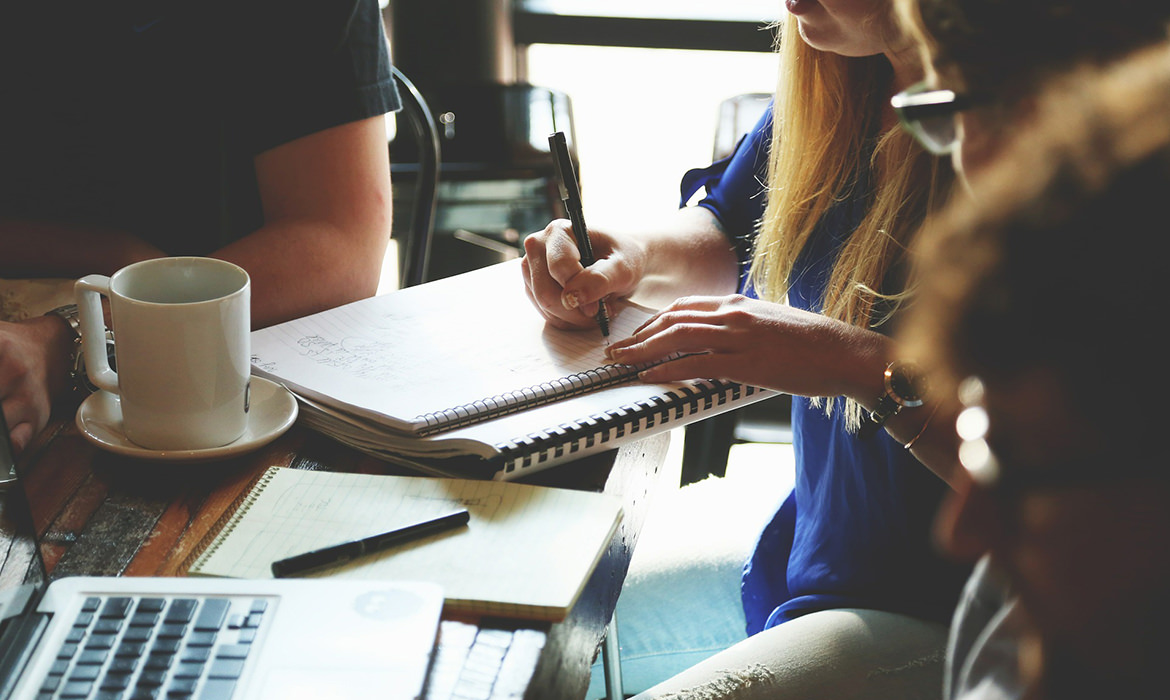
x=346, y=551
x=571, y=196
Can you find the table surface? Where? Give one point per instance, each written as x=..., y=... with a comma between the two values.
x=81, y=511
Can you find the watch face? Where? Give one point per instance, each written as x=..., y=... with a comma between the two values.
x=905, y=383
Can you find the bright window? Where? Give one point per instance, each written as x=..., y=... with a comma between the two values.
x=643, y=117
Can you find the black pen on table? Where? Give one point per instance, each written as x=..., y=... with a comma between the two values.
x=341, y=553
x=571, y=196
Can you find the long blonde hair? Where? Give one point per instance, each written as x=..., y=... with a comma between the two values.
x=827, y=107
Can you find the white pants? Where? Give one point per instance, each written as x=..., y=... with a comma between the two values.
x=828, y=655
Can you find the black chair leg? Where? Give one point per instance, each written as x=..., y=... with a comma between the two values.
x=706, y=445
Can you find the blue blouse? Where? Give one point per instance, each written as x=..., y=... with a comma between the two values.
x=856, y=530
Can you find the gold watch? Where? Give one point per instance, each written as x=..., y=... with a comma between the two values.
x=905, y=387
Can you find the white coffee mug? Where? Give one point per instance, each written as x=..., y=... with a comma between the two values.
x=181, y=347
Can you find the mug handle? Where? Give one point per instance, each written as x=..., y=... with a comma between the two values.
x=89, y=291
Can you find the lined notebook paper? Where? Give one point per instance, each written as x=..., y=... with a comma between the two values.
x=465, y=366
x=527, y=550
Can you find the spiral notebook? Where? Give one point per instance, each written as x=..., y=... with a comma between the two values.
x=462, y=376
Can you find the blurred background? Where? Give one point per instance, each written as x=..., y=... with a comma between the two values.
x=642, y=88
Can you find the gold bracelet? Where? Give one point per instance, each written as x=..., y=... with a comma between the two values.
x=911, y=441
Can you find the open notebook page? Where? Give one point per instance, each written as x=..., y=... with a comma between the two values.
x=527, y=550
x=426, y=349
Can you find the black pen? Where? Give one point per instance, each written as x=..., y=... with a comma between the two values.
x=341, y=553
x=571, y=196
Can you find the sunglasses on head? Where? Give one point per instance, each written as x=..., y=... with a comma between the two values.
x=928, y=115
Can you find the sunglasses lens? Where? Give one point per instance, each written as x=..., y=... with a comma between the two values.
x=937, y=134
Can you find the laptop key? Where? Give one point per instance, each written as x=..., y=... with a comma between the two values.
x=115, y=681
x=159, y=662
x=52, y=682
x=117, y=607
x=196, y=654
x=100, y=641
x=226, y=668
x=181, y=610
x=232, y=651
x=171, y=630
x=188, y=670
x=217, y=689
x=131, y=649
x=182, y=686
x=137, y=634
x=107, y=625
x=201, y=639
x=123, y=664
x=165, y=646
x=91, y=657
x=85, y=673
x=212, y=614
x=151, y=605
x=151, y=677
x=76, y=689
x=145, y=618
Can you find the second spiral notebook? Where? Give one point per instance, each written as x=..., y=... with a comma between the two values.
x=462, y=376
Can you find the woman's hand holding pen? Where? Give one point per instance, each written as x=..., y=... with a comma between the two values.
x=565, y=292
x=757, y=342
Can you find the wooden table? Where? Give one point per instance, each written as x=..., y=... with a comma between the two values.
x=82, y=511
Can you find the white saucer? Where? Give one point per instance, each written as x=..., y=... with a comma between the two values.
x=273, y=410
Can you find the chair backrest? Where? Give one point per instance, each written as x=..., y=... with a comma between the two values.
x=416, y=248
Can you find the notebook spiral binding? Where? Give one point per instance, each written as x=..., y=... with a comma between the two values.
x=227, y=522
x=529, y=397
x=602, y=428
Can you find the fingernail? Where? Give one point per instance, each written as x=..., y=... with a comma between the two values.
x=570, y=300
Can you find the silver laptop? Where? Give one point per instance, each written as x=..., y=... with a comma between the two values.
x=211, y=638
x=206, y=638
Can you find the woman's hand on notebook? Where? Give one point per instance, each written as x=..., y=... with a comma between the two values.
x=756, y=342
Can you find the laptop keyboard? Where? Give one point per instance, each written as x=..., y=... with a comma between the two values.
x=146, y=648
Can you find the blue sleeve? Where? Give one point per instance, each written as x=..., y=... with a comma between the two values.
x=735, y=186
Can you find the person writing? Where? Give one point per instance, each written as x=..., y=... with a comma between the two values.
x=844, y=589
x=252, y=132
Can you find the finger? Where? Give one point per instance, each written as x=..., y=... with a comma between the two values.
x=651, y=326
x=591, y=285
x=543, y=291
x=686, y=308
x=562, y=258
x=701, y=366
x=20, y=436
x=551, y=318
x=682, y=338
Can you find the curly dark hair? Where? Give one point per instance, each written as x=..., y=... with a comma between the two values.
x=1057, y=260
x=1004, y=48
